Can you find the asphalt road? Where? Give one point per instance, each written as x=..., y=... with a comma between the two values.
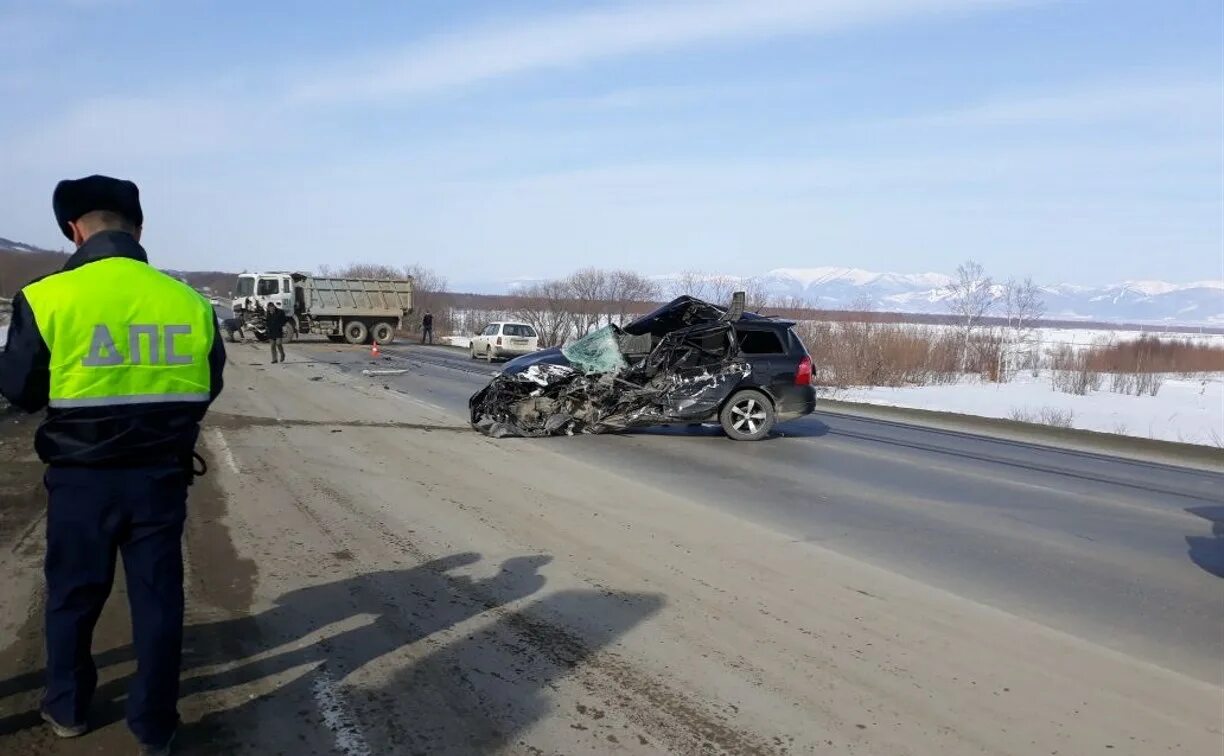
x=367, y=575
x=1124, y=553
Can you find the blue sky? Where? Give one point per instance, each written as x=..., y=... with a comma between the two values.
x=1071, y=141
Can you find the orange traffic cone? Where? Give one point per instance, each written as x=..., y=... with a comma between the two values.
x=374, y=350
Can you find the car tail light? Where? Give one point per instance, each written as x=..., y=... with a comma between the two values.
x=803, y=376
x=499, y=340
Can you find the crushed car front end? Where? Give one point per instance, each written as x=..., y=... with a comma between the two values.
x=680, y=363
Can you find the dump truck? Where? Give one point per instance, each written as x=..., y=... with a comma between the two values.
x=356, y=310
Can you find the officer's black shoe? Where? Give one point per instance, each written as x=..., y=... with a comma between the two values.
x=63, y=730
x=162, y=750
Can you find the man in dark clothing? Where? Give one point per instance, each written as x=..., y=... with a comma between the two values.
x=276, y=331
x=119, y=441
x=427, y=327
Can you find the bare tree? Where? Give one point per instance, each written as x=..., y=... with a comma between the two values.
x=756, y=294
x=588, y=288
x=970, y=297
x=715, y=288
x=626, y=288
x=545, y=306
x=362, y=270
x=428, y=290
x=426, y=279
x=1023, y=304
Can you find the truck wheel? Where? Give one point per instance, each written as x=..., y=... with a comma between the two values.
x=291, y=334
x=747, y=416
x=231, y=336
x=355, y=332
x=383, y=333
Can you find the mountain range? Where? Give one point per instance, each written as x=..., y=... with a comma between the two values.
x=834, y=288
x=1199, y=302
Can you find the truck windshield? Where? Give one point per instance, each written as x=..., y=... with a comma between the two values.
x=268, y=286
x=246, y=286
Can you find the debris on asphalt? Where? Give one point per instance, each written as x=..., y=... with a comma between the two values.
x=675, y=363
x=383, y=372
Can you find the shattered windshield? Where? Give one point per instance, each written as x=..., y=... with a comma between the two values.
x=597, y=352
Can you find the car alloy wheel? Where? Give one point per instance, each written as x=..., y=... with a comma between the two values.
x=748, y=415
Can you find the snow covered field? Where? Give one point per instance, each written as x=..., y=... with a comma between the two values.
x=1188, y=411
x=1078, y=338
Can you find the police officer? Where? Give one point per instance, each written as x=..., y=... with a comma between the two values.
x=126, y=360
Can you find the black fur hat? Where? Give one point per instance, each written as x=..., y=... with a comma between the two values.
x=76, y=197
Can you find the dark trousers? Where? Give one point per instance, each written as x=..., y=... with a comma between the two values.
x=92, y=515
x=427, y=333
x=277, y=347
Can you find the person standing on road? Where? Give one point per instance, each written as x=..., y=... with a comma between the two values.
x=276, y=320
x=126, y=361
x=427, y=327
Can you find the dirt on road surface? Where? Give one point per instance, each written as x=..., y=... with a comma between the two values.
x=367, y=575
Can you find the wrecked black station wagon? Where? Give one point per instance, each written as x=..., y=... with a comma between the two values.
x=687, y=362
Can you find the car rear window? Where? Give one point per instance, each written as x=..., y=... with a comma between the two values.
x=511, y=329
x=760, y=342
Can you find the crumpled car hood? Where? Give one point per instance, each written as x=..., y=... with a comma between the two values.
x=677, y=363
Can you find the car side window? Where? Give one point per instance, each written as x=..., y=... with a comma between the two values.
x=489, y=330
x=760, y=342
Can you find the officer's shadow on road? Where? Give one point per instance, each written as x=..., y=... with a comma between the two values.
x=1208, y=551
x=274, y=678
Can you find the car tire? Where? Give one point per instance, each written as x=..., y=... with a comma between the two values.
x=383, y=333
x=747, y=416
x=355, y=332
x=489, y=355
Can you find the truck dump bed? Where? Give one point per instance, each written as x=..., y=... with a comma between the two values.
x=356, y=296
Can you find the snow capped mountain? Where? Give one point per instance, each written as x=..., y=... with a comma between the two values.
x=18, y=246
x=1152, y=301
x=808, y=277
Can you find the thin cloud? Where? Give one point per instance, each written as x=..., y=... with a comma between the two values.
x=1112, y=102
x=485, y=53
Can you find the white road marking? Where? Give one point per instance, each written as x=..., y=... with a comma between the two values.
x=225, y=451
x=336, y=716
x=419, y=402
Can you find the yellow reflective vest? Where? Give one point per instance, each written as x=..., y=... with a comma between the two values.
x=122, y=332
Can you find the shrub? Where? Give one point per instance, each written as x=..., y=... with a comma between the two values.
x=1051, y=416
x=1071, y=372
x=1151, y=354
x=886, y=354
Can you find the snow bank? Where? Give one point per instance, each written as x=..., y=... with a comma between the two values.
x=1188, y=411
x=456, y=341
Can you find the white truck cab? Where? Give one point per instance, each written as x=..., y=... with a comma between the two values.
x=256, y=290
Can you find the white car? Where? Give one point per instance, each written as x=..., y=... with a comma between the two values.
x=504, y=340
